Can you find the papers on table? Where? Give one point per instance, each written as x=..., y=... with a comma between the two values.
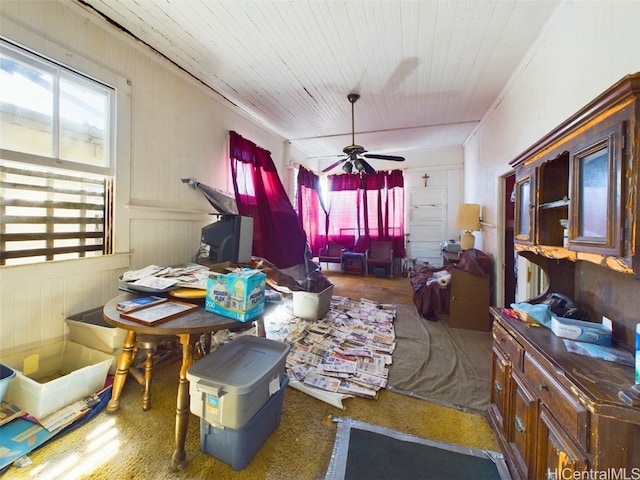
x=154, y=277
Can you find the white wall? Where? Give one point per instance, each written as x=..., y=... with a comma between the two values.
x=586, y=48
x=178, y=129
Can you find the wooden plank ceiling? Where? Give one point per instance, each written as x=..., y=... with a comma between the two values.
x=427, y=71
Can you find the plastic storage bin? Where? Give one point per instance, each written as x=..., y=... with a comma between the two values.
x=55, y=376
x=312, y=306
x=6, y=375
x=237, y=447
x=229, y=386
x=89, y=329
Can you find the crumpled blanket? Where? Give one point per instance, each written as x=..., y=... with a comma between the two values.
x=430, y=296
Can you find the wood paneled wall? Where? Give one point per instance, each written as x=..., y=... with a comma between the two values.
x=178, y=128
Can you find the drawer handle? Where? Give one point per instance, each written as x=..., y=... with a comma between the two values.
x=542, y=387
x=520, y=425
x=497, y=386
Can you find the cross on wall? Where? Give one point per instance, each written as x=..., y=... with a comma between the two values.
x=425, y=177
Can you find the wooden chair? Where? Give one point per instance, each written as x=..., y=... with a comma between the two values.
x=150, y=351
x=331, y=253
x=380, y=255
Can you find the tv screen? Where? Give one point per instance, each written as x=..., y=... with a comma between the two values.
x=230, y=239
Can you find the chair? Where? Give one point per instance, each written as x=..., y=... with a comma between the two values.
x=380, y=255
x=150, y=351
x=331, y=253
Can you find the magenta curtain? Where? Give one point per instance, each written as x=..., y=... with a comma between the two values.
x=311, y=211
x=367, y=207
x=343, y=206
x=277, y=234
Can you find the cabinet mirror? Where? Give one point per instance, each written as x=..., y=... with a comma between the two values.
x=595, y=200
x=523, y=220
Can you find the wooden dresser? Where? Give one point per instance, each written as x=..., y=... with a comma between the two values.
x=555, y=410
x=576, y=217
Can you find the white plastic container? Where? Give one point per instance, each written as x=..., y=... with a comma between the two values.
x=89, y=329
x=312, y=306
x=55, y=376
x=581, y=331
x=229, y=386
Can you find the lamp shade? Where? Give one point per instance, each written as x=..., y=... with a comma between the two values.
x=468, y=217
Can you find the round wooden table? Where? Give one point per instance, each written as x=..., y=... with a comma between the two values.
x=188, y=328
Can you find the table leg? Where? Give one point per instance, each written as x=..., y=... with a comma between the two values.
x=179, y=457
x=260, y=327
x=124, y=363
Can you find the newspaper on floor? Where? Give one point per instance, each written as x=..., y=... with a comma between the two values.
x=69, y=414
x=347, y=352
x=342, y=355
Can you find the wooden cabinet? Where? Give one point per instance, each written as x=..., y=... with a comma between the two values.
x=469, y=297
x=596, y=213
x=525, y=212
x=557, y=452
x=555, y=411
x=577, y=188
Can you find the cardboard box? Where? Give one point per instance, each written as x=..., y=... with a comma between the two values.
x=89, y=329
x=312, y=306
x=237, y=447
x=581, y=331
x=238, y=295
x=54, y=376
x=229, y=386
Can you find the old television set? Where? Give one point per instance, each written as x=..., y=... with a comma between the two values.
x=230, y=239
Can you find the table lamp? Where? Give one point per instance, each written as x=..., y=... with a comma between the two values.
x=468, y=219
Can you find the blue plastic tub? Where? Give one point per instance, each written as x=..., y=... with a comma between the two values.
x=238, y=446
x=6, y=375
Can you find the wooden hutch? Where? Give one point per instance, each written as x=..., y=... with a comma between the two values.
x=577, y=208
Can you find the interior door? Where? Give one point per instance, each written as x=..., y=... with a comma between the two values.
x=427, y=224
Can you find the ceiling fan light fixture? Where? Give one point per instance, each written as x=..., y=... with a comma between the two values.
x=353, y=151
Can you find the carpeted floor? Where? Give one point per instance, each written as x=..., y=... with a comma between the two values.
x=133, y=444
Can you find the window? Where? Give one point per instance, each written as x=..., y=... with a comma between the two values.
x=57, y=160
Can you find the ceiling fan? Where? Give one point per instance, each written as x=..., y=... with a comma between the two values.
x=356, y=154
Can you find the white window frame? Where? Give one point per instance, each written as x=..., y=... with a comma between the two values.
x=120, y=142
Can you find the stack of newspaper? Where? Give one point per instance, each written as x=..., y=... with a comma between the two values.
x=348, y=351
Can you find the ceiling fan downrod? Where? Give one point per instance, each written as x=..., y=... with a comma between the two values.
x=353, y=98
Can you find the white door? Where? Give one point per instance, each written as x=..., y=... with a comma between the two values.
x=427, y=224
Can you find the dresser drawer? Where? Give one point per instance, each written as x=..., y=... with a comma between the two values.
x=509, y=346
x=565, y=407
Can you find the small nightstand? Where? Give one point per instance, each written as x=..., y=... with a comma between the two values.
x=353, y=263
x=469, y=297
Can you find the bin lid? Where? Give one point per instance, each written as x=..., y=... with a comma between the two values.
x=240, y=364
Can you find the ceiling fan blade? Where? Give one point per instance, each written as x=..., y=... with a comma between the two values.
x=333, y=165
x=367, y=167
x=393, y=158
x=324, y=157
